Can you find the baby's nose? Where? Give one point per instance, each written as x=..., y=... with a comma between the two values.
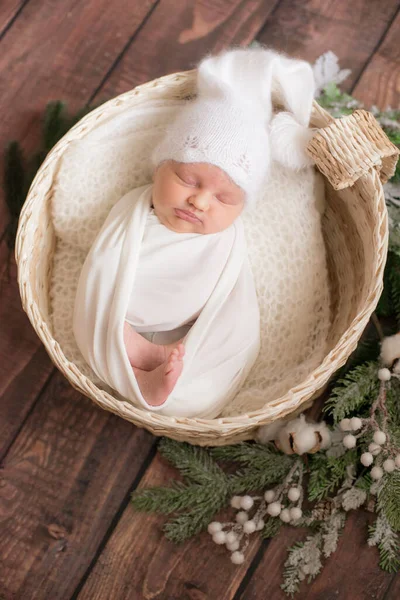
x=201, y=201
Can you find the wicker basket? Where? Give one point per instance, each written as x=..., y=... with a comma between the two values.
x=354, y=155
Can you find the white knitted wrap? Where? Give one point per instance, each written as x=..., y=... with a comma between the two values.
x=283, y=233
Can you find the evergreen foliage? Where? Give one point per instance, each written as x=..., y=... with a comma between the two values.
x=354, y=392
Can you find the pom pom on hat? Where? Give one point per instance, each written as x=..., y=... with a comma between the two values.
x=229, y=123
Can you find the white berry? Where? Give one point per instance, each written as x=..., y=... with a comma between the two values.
x=367, y=459
x=389, y=465
x=274, y=509
x=349, y=441
x=214, y=527
x=236, y=502
x=237, y=558
x=374, y=448
x=242, y=517
x=285, y=515
x=219, y=537
x=294, y=494
x=260, y=524
x=379, y=437
x=345, y=425
x=246, y=502
x=233, y=546
x=355, y=423
x=384, y=374
x=249, y=527
x=231, y=537
x=397, y=461
x=269, y=496
x=376, y=473
x=295, y=513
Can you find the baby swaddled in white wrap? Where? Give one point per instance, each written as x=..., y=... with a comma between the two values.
x=166, y=310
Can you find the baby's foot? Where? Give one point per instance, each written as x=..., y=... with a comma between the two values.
x=142, y=354
x=157, y=385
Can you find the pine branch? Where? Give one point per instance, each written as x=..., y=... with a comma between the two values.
x=394, y=279
x=271, y=528
x=255, y=478
x=195, y=464
x=389, y=499
x=353, y=392
x=327, y=473
x=382, y=535
x=186, y=525
x=167, y=500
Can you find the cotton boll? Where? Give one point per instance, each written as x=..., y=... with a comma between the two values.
x=305, y=440
x=390, y=349
x=326, y=438
x=269, y=432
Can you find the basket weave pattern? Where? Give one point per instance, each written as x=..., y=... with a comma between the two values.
x=356, y=235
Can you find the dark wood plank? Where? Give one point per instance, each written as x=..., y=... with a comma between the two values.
x=59, y=50
x=309, y=28
x=64, y=479
x=380, y=82
x=178, y=34
x=24, y=364
x=8, y=12
x=351, y=573
x=138, y=562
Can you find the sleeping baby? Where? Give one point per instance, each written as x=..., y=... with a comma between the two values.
x=166, y=311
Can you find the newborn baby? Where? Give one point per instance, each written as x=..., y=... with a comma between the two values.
x=195, y=198
x=166, y=311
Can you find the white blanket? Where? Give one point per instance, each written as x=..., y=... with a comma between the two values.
x=168, y=285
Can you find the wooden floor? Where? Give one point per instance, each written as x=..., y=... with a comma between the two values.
x=68, y=468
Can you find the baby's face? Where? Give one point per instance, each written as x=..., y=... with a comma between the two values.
x=195, y=197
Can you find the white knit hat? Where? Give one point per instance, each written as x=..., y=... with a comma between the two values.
x=229, y=124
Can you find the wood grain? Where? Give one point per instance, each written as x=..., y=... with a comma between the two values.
x=63, y=481
x=24, y=364
x=8, y=11
x=380, y=82
x=351, y=573
x=351, y=30
x=138, y=562
x=178, y=35
x=58, y=51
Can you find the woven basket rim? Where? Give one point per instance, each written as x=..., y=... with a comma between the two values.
x=287, y=403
